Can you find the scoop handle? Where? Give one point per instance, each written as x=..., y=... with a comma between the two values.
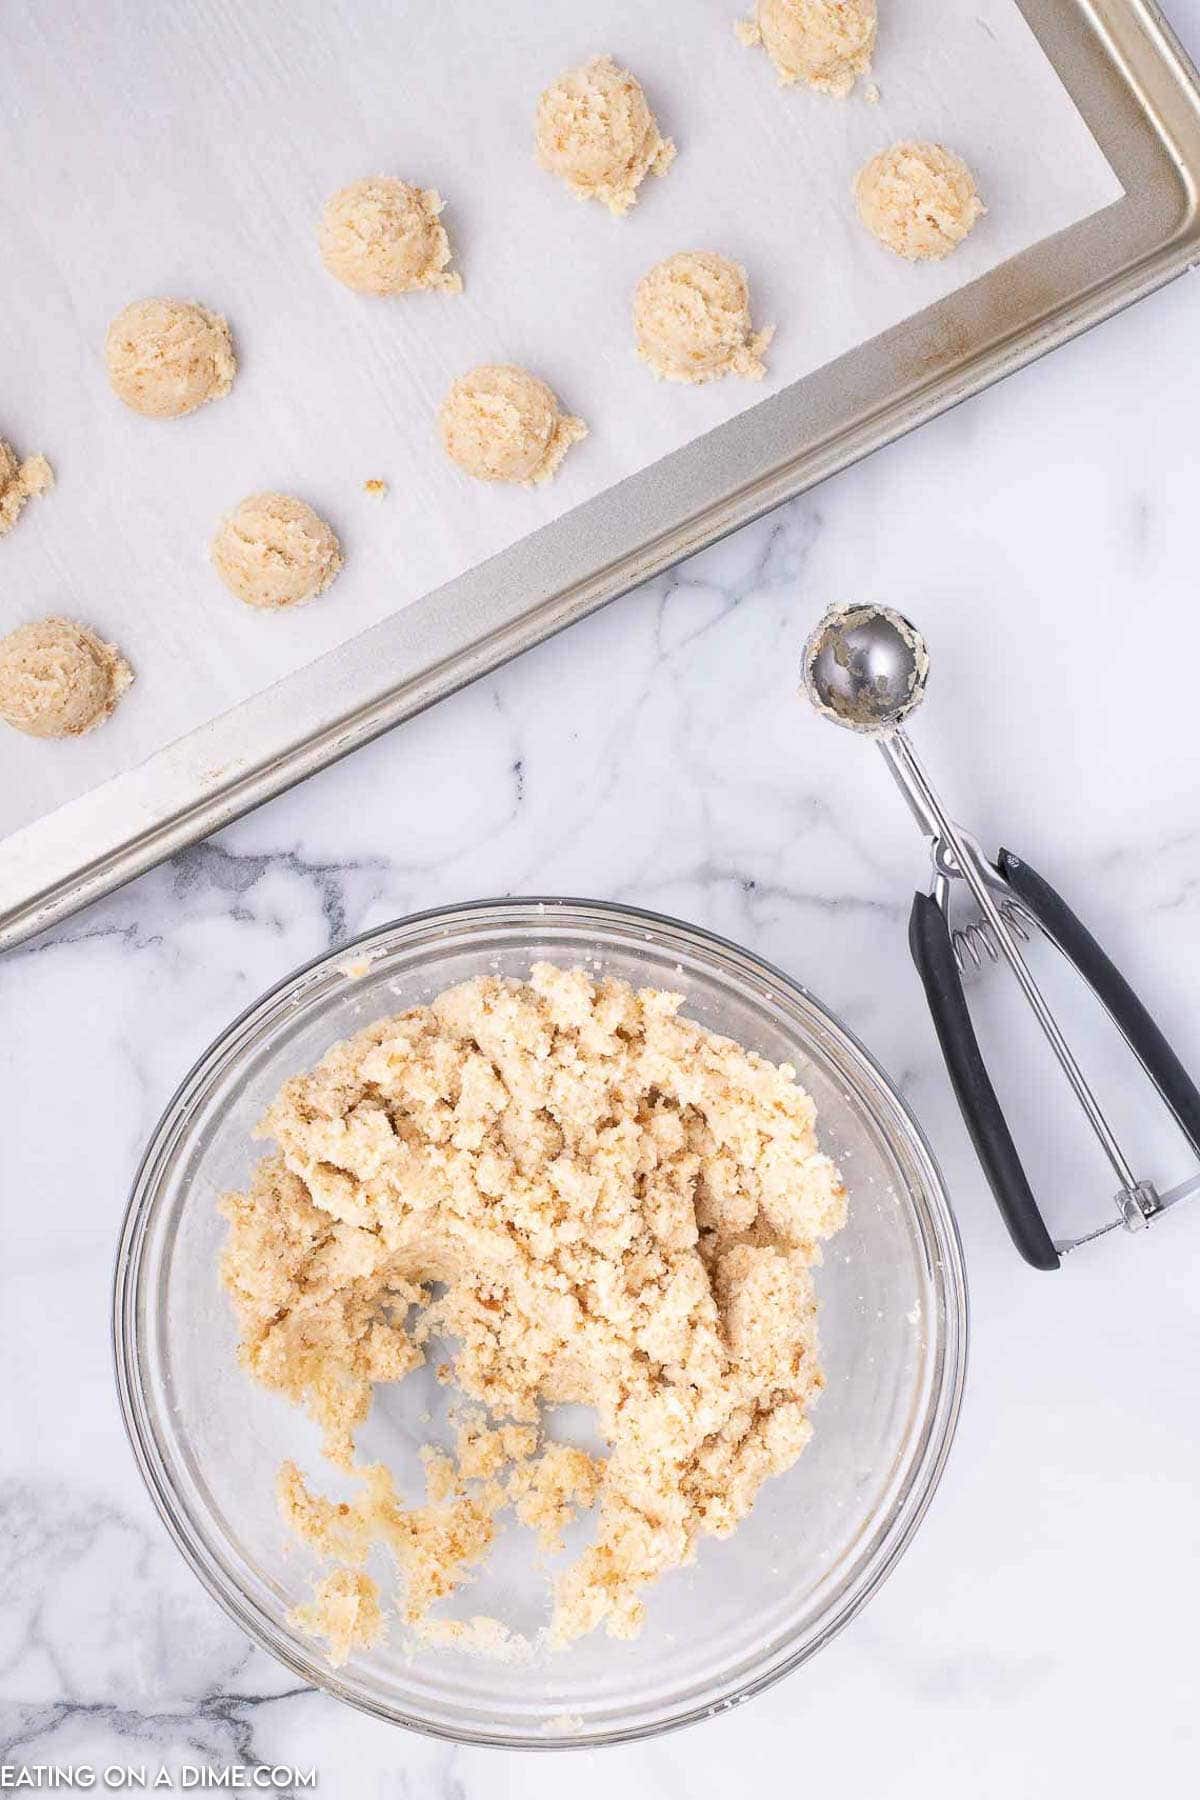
x=1111, y=988
x=933, y=954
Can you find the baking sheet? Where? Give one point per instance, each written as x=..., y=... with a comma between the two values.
x=176, y=149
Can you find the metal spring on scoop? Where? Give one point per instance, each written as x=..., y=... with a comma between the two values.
x=973, y=942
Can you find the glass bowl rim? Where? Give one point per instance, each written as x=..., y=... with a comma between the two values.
x=941, y=1419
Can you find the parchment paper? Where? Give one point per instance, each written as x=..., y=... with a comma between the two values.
x=187, y=150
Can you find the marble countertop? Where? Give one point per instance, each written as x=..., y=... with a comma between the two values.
x=1039, y=1635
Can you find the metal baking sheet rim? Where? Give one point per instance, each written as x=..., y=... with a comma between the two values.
x=1139, y=94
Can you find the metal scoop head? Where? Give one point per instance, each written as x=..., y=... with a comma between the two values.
x=865, y=667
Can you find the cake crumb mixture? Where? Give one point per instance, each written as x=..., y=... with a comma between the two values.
x=615, y=1207
x=344, y=1610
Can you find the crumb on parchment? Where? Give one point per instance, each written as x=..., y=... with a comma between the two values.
x=549, y=1492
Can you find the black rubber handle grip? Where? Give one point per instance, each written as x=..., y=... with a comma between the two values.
x=1125, y=1009
x=933, y=953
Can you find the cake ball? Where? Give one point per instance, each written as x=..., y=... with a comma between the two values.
x=383, y=236
x=167, y=357
x=595, y=131
x=19, y=482
x=58, y=679
x=918, y=199
x=500, y=423
x=691, y=319
x=826, y=44
x=274, y=550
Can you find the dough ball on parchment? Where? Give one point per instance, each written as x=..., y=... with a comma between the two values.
x=19, y=482
x=274, y=550
x=595, y=131
x=691, y=318
x=500, y=423
x=167, y=357
x=381, y=236
x=58, y=679
x=918, y=199
x=826, y=44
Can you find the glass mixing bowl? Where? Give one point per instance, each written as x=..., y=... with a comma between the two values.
x=752, y=1607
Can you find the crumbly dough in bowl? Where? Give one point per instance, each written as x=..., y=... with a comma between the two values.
x=621, y=1209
